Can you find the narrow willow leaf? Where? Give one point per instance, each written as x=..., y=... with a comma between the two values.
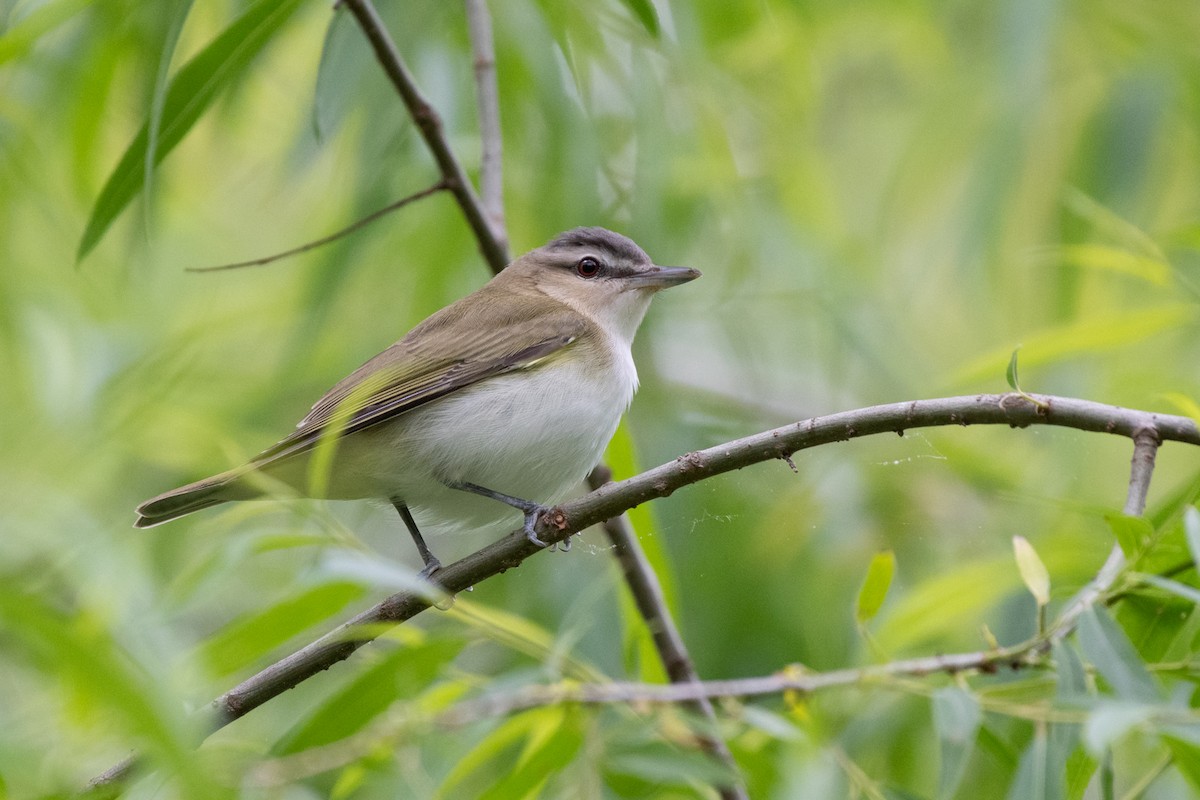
x=1185, y=753
x=1094, y=335
x=18, y=40
x=191, y=91
x=956, y=718
x=1185, y=404
x=342, y=59
x=646, y=13
x=549, y=738
x=1033, y=571
x=1072, y=679
x=402, y=673
x=1110, y=722
x=249, y=638
x=1115, y=259
x=1105, y=645
x=1034, y=770
x=1191, y=530
x=875, y=586
x=1190, y=593
x=1010, y=374
x=159, y=99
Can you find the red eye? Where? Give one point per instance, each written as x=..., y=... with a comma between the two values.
x=588, y=267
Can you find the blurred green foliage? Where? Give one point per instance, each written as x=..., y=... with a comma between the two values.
x=886, y=198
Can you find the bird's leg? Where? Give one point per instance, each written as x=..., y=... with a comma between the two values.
x=432, y=565
x=531, y=510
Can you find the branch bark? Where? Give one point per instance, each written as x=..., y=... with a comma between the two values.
x=613, y=499
x=652, y=605
x=487, y=97
x=429, y=123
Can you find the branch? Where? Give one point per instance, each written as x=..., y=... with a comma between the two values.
x=430, y=125
x=647, y=594
x=491, y=179
x=613, y=499
x=1146, y=441
x=346, y=231
x=317, y=760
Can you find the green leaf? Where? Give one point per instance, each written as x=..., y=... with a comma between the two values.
x=1035, y=778
x=18, y=40
x=191, y=91
x=956, y=718
x=875, y=586
x=1010, y=374
x=1185, y=754
x=1134, y=534
x=1191, y=531
x=1115, y=259
x=1105, y=645
x=1072, y=679
x=1110, y=722
x=641, y=655
x=1092, y=335
x=247, y=639
x=341, y=65
x=402, y=673
x=1033, y=571
x=159, y=98
x=549, y=739
x=1176, y=588
x=646, y=13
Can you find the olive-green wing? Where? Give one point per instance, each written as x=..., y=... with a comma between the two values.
x=425, y=367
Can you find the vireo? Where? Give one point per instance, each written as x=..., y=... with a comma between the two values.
x=505, y=398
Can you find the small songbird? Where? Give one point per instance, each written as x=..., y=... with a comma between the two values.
x=505, y=398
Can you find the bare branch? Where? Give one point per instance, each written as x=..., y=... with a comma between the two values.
x=487, y=96
x=499, y=704
x=349, y=229
x=652, y=605
x=1146, y=441
x=430, y=125
x=613, y=499
x=1141, y=469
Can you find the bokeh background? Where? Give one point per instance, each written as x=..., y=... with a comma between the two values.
x=886, y=199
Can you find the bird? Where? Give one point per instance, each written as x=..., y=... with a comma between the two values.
x=504, y=399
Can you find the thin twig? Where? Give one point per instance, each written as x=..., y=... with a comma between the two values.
x=503, y=703
x=441, y=185
x=430, y=125
x=652, y=605
x=487, y=97
x=1146, y=440
x=615, y=498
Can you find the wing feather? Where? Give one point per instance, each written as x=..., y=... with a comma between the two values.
x=434, y=360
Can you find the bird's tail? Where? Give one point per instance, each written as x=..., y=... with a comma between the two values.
x=193, y=497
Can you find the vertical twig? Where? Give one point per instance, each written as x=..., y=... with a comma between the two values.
x=647, y=594
x=1141, y=469
x=430, y=126
x=487, y=97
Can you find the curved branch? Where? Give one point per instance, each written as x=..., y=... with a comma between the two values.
x=614, y=498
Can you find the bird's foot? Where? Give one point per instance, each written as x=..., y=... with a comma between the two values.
x=530, y=509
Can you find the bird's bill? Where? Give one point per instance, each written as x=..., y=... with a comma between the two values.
x=662, y=277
